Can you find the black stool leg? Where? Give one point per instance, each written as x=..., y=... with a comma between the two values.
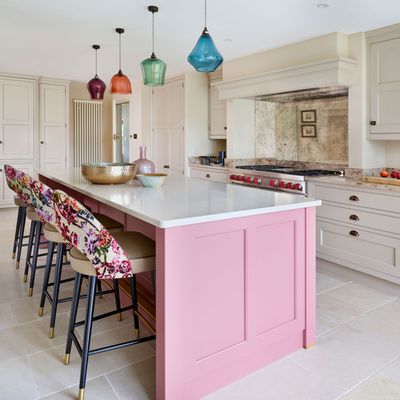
x=87, y=335
x=21, y=236
x=16, y=235
x=29, y=249
x=135, y=305
x=56, y=288
x=38, y=231
x=72, y=319
x=49, y=261
x=117, y=299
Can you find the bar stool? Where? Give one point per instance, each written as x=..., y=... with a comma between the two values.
x=19, y=231
x=99, y=255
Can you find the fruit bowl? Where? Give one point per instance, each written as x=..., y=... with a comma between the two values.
x=151, y=180
x=108, y=173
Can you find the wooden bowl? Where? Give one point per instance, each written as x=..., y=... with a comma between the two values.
x=108, y=173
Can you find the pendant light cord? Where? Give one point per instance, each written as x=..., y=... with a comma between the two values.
x=96, y=62
x=205, y=14
x=152, y=31
x=120, y=51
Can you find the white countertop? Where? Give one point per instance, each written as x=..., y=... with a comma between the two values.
x=183, y=201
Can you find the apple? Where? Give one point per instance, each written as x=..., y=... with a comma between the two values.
x=384, y=173
x=393, y=174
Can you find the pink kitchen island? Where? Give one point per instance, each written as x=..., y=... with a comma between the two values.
x=235, y=274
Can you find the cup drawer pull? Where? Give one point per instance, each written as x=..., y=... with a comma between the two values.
x=354, y=233
x=354, y=217
x=208, y=176
x=354, y=198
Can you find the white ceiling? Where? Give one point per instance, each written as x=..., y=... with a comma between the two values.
x=54, y=37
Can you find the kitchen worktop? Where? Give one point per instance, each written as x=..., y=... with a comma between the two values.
x=211, y=167
x=359, y=183
x=181, y=200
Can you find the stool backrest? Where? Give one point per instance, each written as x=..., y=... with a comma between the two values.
x=19, y=182
x=42, y=201
x=78, y=225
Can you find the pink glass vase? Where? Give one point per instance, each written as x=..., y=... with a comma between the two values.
x=145, y=166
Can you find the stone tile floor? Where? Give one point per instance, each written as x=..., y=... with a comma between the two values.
x=357, y=355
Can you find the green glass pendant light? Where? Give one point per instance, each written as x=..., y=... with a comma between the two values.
x=153, y=68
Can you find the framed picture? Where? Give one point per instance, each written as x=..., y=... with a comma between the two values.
x=309, y=131
x=309, y=116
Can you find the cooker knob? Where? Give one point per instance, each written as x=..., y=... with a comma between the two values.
x=249, y=179
x=241, y=178
x=272, y=183
x=281, y=184
x=256, y=181
x=288, y=185
x=232, y=177
x=297, y=186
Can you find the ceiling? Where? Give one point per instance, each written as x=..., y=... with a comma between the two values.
x=53, y=37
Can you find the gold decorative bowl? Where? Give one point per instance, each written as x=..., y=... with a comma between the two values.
x=108, y=173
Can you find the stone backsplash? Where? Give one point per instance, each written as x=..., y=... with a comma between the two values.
x=279, y=130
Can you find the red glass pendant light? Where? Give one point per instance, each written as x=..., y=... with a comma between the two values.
x=96, y=86
x=119, y=82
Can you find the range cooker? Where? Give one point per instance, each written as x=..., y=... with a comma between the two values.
x=277, y=177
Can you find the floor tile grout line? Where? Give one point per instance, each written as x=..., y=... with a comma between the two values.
x=335, y=287
x=367, y=378
x=359, y=316
x=112, y=387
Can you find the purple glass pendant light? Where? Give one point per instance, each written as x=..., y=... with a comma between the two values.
x=96, y=86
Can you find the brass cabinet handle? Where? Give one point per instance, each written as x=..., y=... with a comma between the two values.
x=354, y=217
x=354, y=233
x=354, y=198
x=208, y=176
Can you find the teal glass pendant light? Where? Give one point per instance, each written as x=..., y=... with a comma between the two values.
x=205, y=57
x=153, y=68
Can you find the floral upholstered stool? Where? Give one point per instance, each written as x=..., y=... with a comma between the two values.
x=100, y=256
x=19, y=230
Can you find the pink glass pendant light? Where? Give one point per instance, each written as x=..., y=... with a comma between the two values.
x=96, y=86
x=119, y=82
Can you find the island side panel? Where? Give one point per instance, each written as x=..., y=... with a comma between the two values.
x=231, y=298
x=310, y=335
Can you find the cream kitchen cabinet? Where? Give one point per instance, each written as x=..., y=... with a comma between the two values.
x=53, y=138
x=359, y=228
x=211, y=174
x=168, y=127
x=384, y=85
x=217, y=115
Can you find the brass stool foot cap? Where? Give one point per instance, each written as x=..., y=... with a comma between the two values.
x=40, y=313
x=137, y=332
x=51, y=333
x=119, y=317
x=17, y=265
x=66, y=358
x=25, y=276
x=13, y=256
x=30, y=292
x=81, y=394
x=309, y=346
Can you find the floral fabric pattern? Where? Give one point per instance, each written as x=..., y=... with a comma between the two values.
x=19, y=182
x=88, y=235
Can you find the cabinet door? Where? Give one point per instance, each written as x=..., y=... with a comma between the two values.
x=6, y=194
x=53, y=137
x=16, y=119
x=217, y=116
x=385, y=87
x=168, y=128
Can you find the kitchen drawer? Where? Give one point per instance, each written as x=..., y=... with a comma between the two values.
x=357, y=198
x=360, y=218
x=369, y=251
x=209, y=175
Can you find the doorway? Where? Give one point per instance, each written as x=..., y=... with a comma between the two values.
x=121, y=135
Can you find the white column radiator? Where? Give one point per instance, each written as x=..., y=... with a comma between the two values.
x=88, y=129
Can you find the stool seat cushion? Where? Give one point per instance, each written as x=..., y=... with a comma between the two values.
x=19, y=202
x=31, y=214
x=109, y=223
x=139, y=249
x=52, y=235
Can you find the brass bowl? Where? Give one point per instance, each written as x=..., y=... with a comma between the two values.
x=108, y=173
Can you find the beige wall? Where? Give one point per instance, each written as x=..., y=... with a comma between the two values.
x=78, y=91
